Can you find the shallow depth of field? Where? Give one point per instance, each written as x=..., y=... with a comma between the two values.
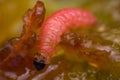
x=83, y=54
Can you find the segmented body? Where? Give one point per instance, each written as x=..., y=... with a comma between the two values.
x=58, y=24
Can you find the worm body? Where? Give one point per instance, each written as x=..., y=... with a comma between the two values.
x=58, y=24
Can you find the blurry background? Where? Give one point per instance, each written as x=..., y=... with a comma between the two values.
x=107, y=13
x=11, y=12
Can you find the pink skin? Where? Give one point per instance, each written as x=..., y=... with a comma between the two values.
x=58, y=24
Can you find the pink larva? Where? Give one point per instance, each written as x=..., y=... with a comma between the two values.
x=58, y=24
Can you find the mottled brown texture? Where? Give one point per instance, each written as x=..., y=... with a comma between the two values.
x=14, y=52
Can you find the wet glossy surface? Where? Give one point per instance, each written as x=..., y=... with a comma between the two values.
x=81, y=57
x=87, y=54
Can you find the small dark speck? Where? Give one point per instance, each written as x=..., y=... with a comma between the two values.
x=39, y=64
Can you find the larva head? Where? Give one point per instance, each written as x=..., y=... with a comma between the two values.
x=39, y=61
